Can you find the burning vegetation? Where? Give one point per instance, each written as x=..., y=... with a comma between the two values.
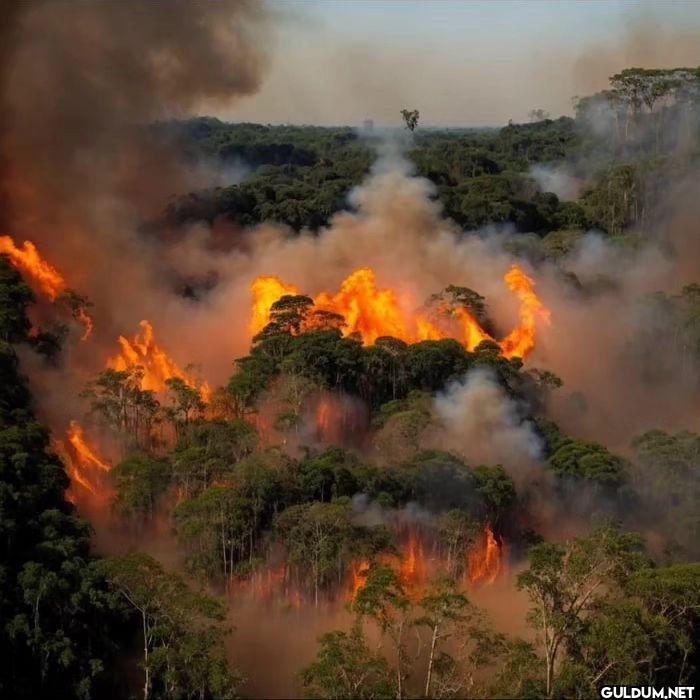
x=486, y=558
x=360, y=308
x=26, y=258
x=47, y=280
x=154, y=364
x=85, y=468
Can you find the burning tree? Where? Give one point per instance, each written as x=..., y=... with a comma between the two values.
x=322, y=538
x=363, y=309
x=47, y=280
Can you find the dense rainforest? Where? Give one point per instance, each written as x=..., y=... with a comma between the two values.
x=321, y=473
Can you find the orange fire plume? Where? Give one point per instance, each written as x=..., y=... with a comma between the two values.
x=44, y=276
x=85, y=318
x=82, y=462
x=266, y=291
x=413, y=568
x=485, y=560
x=521, y=340
x=358, y=577
x=47, y=278
x=372, y=312
x=369, y=311
x=272, y=585
x=142, y=350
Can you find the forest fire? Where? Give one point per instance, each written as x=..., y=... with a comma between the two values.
x=358, y=577
x=323, y=417
x=272, y=584
x=266, y=291
x=26, y=258
x=44, y=276
x=337, y=419
x=143, y=351
x=368, y=311
x=412, y=567
x=82, y=462
x=372, y=312
x=522, y=339
x=485, y=560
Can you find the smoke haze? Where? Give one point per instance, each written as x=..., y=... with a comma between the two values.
x=329, y=74
x=482, y=423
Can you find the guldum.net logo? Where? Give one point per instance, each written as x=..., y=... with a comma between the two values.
x=634, y=692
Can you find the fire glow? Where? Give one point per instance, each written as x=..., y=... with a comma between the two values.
x=47, y=279
x=82, y=462
x=43, y=276
x=371, y=312
x=415, y=568
x=485, y=561
x=143, y=351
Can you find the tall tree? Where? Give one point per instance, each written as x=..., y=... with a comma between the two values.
x=564, y=584
x=410, y=117
x=346, y=668
x=182, y=634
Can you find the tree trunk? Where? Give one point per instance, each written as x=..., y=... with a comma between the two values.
x=431, y=659
x=315, y=587
x=147, y=680
x=399, y=652
x=550, y=672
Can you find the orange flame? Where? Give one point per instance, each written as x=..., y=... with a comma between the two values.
x=485, y=558
x=82, y=463
x=358, y=577
x=413, y=567
x=142, y=350
x=266, y=291
x=472, y=332
x=372, y=312
x=76, y=438
x=85, y=318
x=271, y=584
x=46, y=277
x=521, y=340
x=369, y=311
x=323, y=417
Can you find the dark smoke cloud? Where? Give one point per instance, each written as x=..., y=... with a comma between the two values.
x=81, y=79
x=81, y=166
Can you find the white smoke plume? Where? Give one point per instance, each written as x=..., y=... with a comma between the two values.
x=481, y=422
x=557, y=179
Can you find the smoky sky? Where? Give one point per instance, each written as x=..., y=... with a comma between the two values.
x=80, y=80
x=477, y=74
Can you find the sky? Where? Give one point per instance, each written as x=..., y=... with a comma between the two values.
x=459, y=63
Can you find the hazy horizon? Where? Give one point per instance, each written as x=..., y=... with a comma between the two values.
x=462, y=64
